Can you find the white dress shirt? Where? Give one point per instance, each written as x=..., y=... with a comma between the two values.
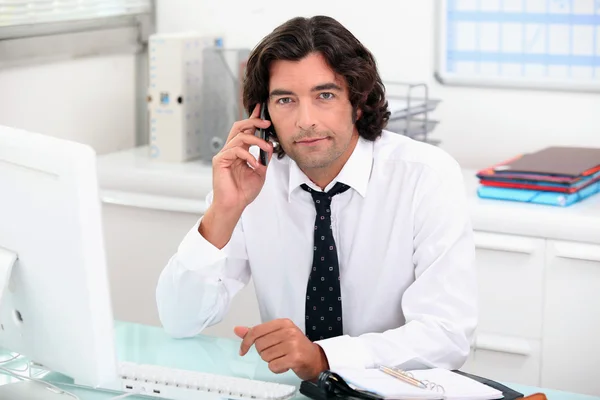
x=405, y=248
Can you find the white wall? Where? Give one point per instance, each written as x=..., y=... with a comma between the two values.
x=478, y=126
x=90, y=100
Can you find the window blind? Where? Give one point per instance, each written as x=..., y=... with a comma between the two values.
x=22, y=12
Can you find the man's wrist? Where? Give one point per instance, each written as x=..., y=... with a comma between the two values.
x=217, y=226
x=225, y=212
x=323, y=362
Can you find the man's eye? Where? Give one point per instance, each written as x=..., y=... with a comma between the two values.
x=284, y=100
x=327, y=96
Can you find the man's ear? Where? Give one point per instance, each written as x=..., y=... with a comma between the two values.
x=356, y=114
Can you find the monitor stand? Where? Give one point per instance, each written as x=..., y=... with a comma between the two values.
x=22, y=390
x=30, y=390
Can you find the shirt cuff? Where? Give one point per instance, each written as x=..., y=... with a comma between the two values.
x=196, y=252
x=346, y=352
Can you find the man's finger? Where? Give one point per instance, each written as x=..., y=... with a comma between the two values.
x=247, y=125
x=256, y=111
x=237, y=153
x=246, y=141
x=274, y=338
x=257, y=332
x=280, y=365
x=241, y=331
x=274, y=352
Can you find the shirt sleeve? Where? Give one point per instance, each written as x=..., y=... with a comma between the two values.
x=440, y=306
x=195, y=288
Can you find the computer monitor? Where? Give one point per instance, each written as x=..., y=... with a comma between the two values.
x=55, y=306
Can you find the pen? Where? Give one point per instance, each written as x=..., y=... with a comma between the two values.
x=402, y=377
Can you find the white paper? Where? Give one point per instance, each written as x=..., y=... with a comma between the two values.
x=455, y=386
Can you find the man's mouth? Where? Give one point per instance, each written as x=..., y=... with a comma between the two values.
x=310, y=140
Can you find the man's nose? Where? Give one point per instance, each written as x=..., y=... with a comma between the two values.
x=305, y=117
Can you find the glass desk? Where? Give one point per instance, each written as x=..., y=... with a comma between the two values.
x=150, y=345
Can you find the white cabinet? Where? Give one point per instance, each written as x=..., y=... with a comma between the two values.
x=505, y=359
x=139, y=241
x=539, y=317
x=571, y=346
x=507, y=342
x=500, y=260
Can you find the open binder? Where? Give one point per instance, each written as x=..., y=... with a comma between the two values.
x=331, y=386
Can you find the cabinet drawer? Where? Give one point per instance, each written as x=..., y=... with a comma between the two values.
x=571, y=346
x=505, y=358
x=510, y=273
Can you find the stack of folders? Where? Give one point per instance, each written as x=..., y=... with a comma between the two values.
x=557, y=176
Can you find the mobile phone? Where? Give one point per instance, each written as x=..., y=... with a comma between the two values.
x=265, y=134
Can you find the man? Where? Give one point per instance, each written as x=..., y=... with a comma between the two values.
x=357, y=239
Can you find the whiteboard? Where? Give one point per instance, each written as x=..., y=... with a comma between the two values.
x=548, y=44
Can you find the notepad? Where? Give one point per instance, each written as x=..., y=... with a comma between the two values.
x=455, y=386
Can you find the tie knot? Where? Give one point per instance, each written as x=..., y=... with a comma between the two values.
x=326, y=196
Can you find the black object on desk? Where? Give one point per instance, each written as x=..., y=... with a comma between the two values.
x=330, y=386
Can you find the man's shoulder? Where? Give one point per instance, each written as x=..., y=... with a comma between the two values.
x=393, y=148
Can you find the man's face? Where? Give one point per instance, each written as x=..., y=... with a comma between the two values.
x=311, y=112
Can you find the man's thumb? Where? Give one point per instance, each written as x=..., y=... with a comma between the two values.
x=241, y=331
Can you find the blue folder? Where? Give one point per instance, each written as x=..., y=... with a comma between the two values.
x=538, y=196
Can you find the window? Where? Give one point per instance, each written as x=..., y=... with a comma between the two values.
x=21, y=12
x=49, y=29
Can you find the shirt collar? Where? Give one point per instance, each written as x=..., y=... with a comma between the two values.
x=355, y=173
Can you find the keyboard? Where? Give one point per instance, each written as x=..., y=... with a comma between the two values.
x=176, y=384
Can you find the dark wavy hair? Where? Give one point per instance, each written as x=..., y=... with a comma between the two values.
x=345, y=55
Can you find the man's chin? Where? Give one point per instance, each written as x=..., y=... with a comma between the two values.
x=313, y=163
x=314, y=159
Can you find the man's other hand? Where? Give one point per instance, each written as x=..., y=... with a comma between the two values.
x=283, y=345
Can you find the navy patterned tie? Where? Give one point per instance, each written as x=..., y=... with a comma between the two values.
x=323, y=294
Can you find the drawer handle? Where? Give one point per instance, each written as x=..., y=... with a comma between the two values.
x=577, y=251
x=153, y=202
x=504, y=243
x=502, y=344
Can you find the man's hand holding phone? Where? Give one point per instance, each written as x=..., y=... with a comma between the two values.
x=237, y=179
